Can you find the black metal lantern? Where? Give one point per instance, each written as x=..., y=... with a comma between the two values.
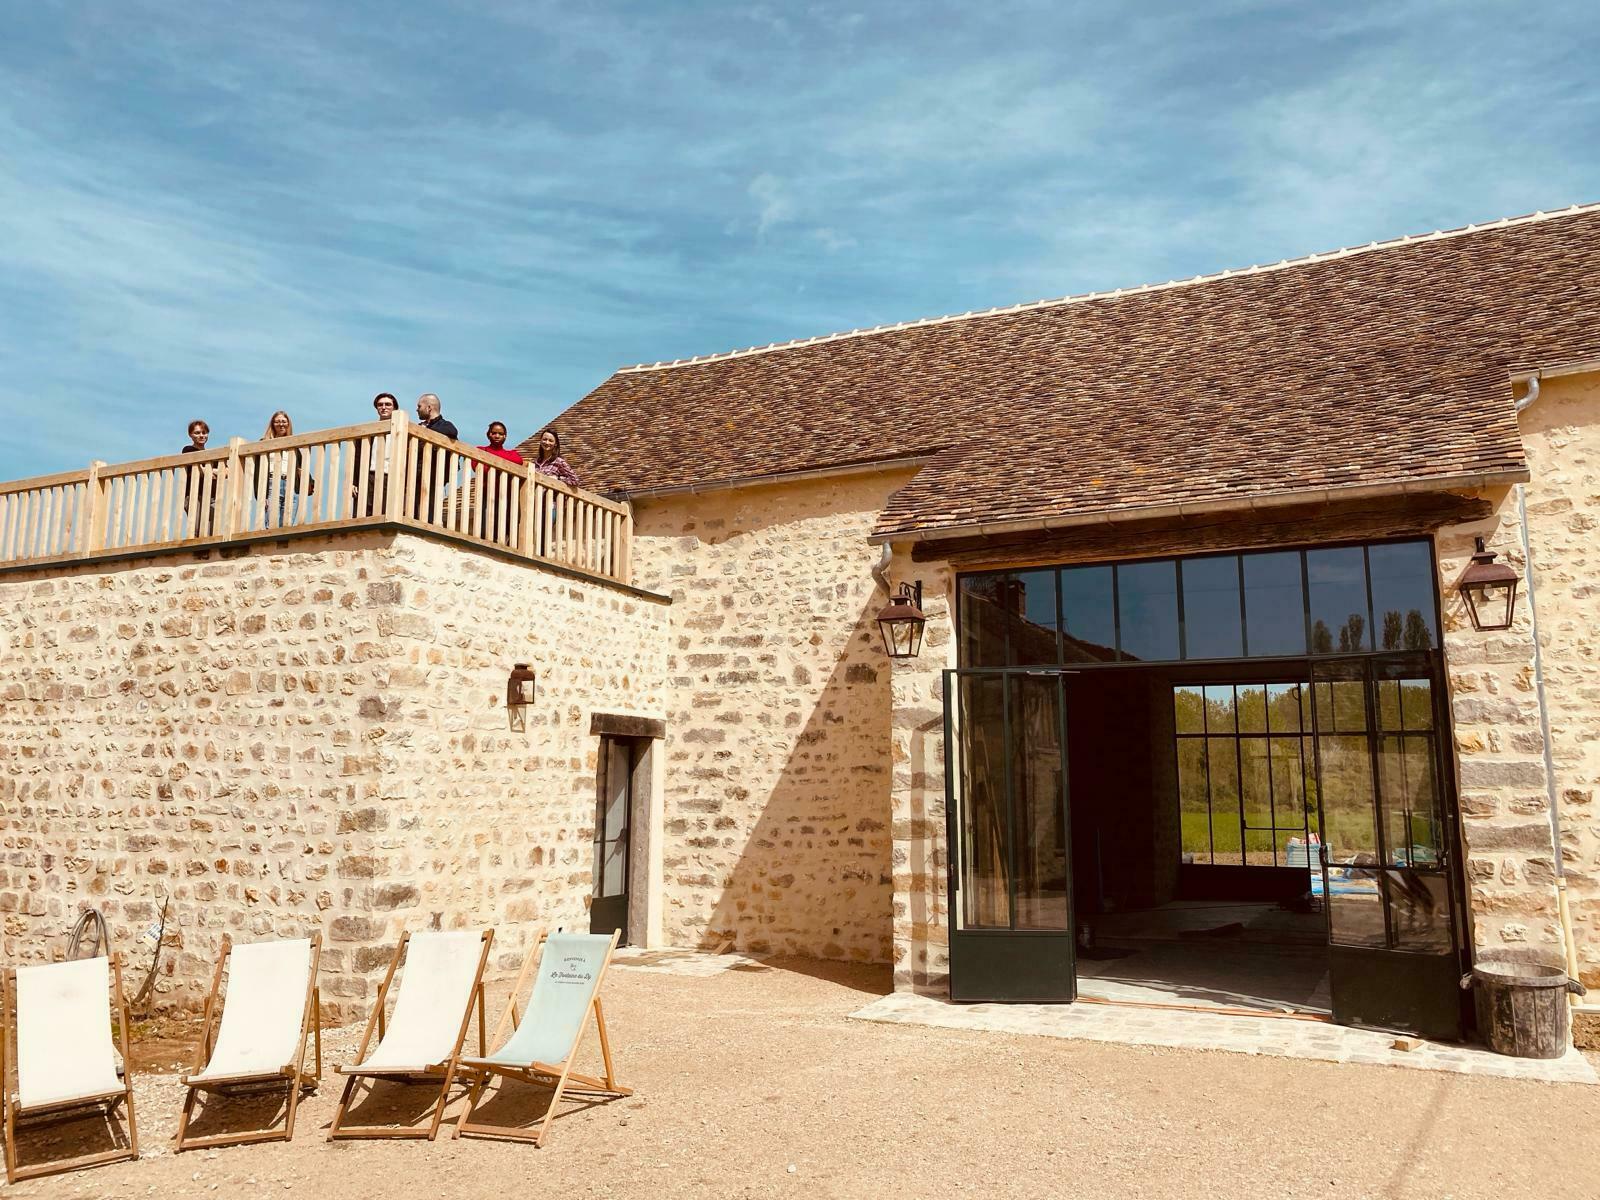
x=1490, y=590
x=519, y=686
x=901, y=622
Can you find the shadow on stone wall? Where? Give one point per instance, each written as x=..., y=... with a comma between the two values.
x=811, y=875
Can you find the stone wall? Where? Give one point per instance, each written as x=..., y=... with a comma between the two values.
x=776, y=804
x=305, y=734
x=1499, y=741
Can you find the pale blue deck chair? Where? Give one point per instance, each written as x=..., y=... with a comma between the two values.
x=542, y=1049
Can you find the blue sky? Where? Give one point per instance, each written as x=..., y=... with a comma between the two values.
x=219, y=210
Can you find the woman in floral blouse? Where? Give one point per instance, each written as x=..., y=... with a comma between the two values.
x=547, y=459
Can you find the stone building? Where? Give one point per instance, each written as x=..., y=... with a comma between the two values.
x=1200, y=714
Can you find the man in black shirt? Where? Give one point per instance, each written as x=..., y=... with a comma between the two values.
x=428, y=415
x=429, y=418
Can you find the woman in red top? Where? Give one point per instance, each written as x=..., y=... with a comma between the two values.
x=490, y=484
x=497, y=443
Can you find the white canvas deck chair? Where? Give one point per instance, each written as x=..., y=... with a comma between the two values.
x=541, y=1051
x=58, y=1032
x=271, y=1009
x=442, y=981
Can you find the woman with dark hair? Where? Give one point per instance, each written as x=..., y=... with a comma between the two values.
x=547, y=458
x=490, y=481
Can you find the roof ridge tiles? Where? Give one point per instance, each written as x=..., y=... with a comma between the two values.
x=1408, y=239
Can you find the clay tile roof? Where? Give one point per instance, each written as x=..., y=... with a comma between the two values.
x=1378, y=365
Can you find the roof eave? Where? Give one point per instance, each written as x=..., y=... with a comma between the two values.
x=1155, y=512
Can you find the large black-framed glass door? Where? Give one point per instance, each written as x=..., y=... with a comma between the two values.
x=1394, y=930
x=1010, y=895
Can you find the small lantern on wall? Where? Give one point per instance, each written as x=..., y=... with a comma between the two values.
x=519, y=687
x=1490, y=590
x=901, y=622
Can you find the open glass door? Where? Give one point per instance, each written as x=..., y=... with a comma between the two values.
x=1010, y=899
x=1393, y=936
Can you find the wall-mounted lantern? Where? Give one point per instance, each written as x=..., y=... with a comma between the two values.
x=1490, y=590
x=519, y=687
x=901, y=622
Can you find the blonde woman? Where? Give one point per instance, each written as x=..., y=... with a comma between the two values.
x=288, y=485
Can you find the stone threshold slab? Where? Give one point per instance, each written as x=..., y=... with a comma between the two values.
x=1129, y=1025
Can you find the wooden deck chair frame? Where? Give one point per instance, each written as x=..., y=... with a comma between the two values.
x=65, y=1110
x=292, y=1076
x=559, y=1076
x=446, y=1070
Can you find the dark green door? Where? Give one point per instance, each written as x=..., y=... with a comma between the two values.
x=1010, y=899
x=613, y=829
x=1394, y=933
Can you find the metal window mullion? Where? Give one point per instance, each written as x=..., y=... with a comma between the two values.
x=1116, y=610
x=1183, y=636
x=1370, y=695
x=1305, y=609
x=1011, y=810
x=1272, y=799
x=1238, y=776
x=1244, y=625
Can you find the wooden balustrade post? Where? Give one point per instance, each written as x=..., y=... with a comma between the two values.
x=394, y=501
x=527, y=520
x=235, y=477
x=625, y=545
x=91, y=534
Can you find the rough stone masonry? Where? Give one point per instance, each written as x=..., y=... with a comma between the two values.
x=307, y=735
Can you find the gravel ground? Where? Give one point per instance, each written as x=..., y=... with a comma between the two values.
x=752, y=1082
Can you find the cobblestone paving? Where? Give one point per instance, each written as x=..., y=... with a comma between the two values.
x=1213, y=1031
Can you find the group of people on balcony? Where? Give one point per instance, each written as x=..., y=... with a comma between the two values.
x=547, y=459
x=288, y=483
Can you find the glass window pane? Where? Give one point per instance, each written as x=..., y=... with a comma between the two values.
x=1031, y=624
x=1189, y=710
x=983, y=628
x=1389, y=704
x=1274, y=604
x=1416, y=704
x=1147, y=604
x=1252, y=706
x=1410, y=801
x=1219, y=708
x=1036, y=793
x=1212, y=625
x=1087, y=614
x=1008, y=619
x=1255, y=788
x=1225, y=846
x=1355, y=905
x=1283, y=707
x=1403, y=595
x=1288, y=793
x=614, y=817
x=1339, y=618
x=1193, y=811
x=1419, y=909
x=985, y=832
x=613, y=875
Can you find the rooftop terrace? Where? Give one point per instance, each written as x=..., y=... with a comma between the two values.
x=385, y=473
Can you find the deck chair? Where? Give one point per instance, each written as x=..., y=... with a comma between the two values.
x=271, y=1009
x=443, y=979
x=542, y=1050
x=58, y=1032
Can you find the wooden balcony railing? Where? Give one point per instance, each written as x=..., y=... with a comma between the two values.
x=384, y=472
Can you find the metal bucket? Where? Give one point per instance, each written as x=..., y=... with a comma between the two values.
x=1522, y=1007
